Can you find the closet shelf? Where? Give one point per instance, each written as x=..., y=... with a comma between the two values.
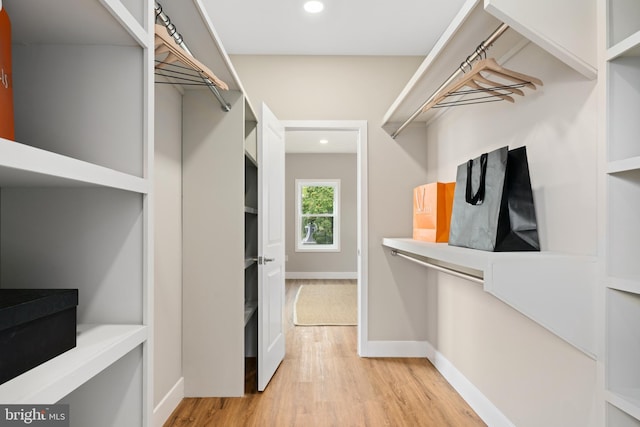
x=25, y=166
x=250, y=307
x=626, y=285
x=98, y=347
x=476, y=21
x=74, y=22
x=627, y=47
x=250, y=157
x=470, y=27
x=624, y=165
x=248, y=262
x=250, y=210
x=557, y=291
x=627, y=400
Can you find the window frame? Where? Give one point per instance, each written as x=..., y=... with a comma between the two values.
x=299, y=246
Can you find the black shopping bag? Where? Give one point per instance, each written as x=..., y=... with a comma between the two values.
x=493, y=206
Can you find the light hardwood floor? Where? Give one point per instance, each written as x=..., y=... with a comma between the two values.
x=322, y=382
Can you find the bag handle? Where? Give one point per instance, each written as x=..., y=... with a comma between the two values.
x=478, y=198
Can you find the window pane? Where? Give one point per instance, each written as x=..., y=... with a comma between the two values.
x=317, y=230
x=317, y=199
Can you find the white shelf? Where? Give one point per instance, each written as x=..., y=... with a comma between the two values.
x=468, y=29
x=623, y=227
x=624, y=165
x=98, y=347
x=74, y=22
x=251, y=158
x=250, y=307
x=627, y=401
x=627, y=47
x=626, y=285
x=623, y=22
x=557, y=291
x=249, y=210
x=471, y=26
x=25, y=166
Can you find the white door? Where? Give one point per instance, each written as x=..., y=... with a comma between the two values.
x=270, y=246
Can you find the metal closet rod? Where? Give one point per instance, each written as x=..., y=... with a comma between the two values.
x=483, y=47
x=439, y=267
x=173, y=32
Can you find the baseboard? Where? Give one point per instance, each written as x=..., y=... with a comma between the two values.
x=486, y=410
x=169, y=402
x=329, y=275
x=395, y=349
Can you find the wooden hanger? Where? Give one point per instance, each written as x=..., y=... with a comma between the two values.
x=479, y=83
x=165, y=44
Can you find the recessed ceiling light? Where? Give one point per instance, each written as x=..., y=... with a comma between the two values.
x=324, y=141
x=313, y=6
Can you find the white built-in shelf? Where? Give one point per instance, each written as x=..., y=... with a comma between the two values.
x=98, y=347
x=626, y=285
x=251, y=158
x=250, y=210
x=626, y=400
x=556, y=290
x=250, y=307
x=627, y=47
x=248, y=262
x=476, y=21
x=74, y=22
x=25, y=166
x=624, y=165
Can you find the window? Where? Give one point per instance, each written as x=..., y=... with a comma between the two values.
x=317, y=215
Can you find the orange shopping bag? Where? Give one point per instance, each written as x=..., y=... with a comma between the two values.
x=432, y=204
x=6, y=84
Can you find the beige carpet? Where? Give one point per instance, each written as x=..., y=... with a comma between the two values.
x=322, y=305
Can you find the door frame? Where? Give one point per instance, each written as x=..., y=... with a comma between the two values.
x=360, y=126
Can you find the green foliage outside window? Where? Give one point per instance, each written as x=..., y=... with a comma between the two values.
x=318, y=200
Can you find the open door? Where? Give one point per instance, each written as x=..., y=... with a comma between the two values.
x=271, y=291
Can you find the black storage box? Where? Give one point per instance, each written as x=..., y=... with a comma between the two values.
x=35, y=325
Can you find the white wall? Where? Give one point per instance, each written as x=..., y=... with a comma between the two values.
x=533, y=377
x=323, y=166
x=168, y=244
x=360, y=88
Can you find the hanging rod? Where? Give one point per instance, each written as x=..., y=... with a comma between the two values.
x=483, y=47
x=173, y=32
x=439, y=267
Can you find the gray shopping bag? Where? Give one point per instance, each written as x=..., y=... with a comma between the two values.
x=493, y=207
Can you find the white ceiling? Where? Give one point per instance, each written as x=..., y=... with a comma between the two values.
x=345, y=27
x=308, y=141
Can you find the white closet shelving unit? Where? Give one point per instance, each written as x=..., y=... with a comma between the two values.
x=75, y=198
x=570, y=284
x=622, y=280
x=220, y=241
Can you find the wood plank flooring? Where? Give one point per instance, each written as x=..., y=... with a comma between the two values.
x=322, y=382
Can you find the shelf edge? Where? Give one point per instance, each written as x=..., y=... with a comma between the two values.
x=56, y=378
x=39, y=163
x=623, y=47
x=624, y=165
